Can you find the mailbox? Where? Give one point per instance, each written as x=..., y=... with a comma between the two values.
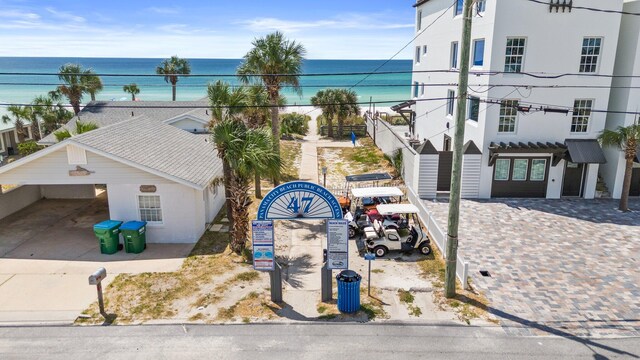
x=98, y=276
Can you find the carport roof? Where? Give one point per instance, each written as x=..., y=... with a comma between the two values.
x=158, y=147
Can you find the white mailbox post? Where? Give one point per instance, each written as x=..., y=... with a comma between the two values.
x=96, y=279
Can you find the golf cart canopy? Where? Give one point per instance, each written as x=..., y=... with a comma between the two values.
x=376, y=192
x=368, y=177
x=390, y=209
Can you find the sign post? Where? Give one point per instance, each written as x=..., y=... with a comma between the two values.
x=369, y=257
x=337, y=244
x=264, y=255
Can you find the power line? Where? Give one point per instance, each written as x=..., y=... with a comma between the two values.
x=368, y=85
x=552, y=107
x=89, y=106
x=590, y=8
x=405, y=46
x=537, y=75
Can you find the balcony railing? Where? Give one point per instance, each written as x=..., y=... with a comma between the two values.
x=557, y=5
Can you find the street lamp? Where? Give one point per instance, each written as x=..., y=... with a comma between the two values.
x=324, y=176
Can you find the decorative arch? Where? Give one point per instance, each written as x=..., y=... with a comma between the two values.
x=299, y=200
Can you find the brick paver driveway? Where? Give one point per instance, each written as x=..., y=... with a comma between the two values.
x=557, y=266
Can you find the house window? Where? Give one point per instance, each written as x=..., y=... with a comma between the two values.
x=150, y=208
x=454, y=55
x=520, y=167
x=424, y=49
x=538, y=169
x=419, y=20
x=451, y=95
x=502, y=169
x=474, y=108
x=417, y=55
x=478, y=52
x=590, y=54
x=480, y=6
x=514, y=55
x=581, y=115
x=416, y=89
x=459, y=7
x=508, y=116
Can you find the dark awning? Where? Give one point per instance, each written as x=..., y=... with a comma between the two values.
x=403, y=105
x=558, y=150
x=368, y=177
x=585, y=151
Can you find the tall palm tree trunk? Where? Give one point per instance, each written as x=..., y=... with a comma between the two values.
x=240, y=203
x=226, y=172
x=329, y=119
x=275, y=126
x=173, y=91
x=626, y=185
x=340, y=127
x=76, y=106
x=257, y=186
x=93, y=96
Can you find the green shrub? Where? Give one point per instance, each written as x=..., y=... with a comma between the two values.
x=29, y=147
x=294, y=123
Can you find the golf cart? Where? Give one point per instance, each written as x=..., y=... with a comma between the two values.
x=380, y=240
x=366, y=200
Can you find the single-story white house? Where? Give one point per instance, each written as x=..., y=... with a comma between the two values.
x=153, y=169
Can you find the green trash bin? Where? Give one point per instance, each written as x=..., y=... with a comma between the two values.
x=134, y=234
x=108, y=233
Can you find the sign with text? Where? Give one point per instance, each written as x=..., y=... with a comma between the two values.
x=337, y=244
x=263, y=245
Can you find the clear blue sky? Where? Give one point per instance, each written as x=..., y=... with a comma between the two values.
x=330, y=29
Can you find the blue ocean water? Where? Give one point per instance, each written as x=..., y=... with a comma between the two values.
x=21, y=89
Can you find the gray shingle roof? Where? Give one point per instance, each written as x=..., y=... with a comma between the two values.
x=157, y=146
x=104, y=113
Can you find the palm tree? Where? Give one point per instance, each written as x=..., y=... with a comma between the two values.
x=257, y=114
x=19, y=114
x=626, y=139
x=50, y=114
x=226, y=103
x=75, y=87
x=172, y=69
x=325, y=100
x=93, y=83
x=246, y=151
x=275, y=62
x=81, y=127
x=132, y=89
x=347, y=106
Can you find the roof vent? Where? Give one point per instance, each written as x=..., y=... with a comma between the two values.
x=132, y=113
x=206, y=112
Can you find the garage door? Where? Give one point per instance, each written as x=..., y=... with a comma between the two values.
x=520, y=177
x=635, y=182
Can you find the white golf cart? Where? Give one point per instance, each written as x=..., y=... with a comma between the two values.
x=381, y=240
x=366, y=200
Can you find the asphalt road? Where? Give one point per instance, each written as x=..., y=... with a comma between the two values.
x=310, y=341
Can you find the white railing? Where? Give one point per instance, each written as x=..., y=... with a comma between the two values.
x=388, y=141
x=439, y=237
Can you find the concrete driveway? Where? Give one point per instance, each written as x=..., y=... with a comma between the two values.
x=557, y=266
x=48, y=250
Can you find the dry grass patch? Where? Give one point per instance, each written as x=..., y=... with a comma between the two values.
x=291, y=156
x=253, y=306
x=150, y=296
x=467, y=304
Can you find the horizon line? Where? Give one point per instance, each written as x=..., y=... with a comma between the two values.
x=188, y=58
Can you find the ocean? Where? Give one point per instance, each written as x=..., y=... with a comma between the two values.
x=22, y=89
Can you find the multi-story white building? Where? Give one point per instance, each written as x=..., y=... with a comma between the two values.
x=523, y=137
x=625, y=97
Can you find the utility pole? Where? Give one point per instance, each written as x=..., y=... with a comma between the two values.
x=456, y=172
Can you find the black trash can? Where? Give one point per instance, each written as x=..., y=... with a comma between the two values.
x=348, y=291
